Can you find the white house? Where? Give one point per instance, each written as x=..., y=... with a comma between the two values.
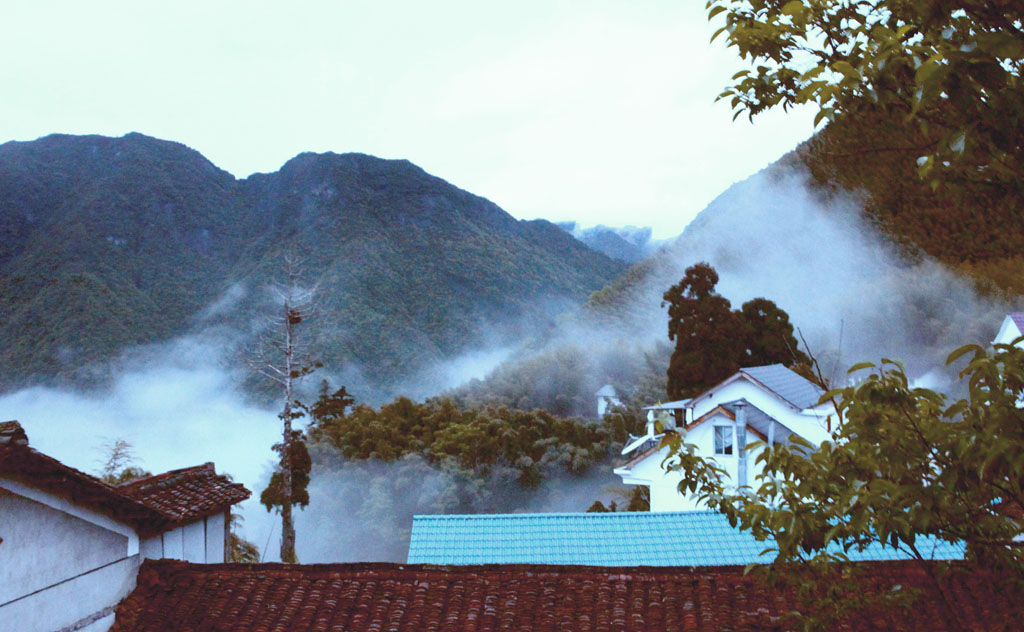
x=606, y=399
x=71, y=545
x=1011, y=329
x=766, y=403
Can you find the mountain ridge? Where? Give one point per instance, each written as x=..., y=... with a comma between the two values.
x=413, y=267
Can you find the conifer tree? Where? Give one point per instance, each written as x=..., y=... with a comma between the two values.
x=713, y=341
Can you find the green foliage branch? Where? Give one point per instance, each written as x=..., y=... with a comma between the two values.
x=903, y=468
x=952, y=67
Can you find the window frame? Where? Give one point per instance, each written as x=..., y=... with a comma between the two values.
x=728, y=449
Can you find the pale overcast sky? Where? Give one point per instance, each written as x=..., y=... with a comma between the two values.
x=598, y=111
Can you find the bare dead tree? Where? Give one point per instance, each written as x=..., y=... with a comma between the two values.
x=284, y=357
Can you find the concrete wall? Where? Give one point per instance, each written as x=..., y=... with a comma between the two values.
x=216, y=536
x=60, y=565
x=201, y=542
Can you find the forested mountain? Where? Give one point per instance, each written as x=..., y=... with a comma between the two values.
x=109, y=242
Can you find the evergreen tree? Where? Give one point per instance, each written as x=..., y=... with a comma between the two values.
x=770, y=335
x=713, y=341
x=704, y=328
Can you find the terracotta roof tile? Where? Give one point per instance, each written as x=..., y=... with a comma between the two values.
x=35, y=469
x=176, y=596
x=153, y=504
x=187, y=494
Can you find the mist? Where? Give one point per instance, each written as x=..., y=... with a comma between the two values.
x=177, y=403
x=849, y=291
x=363, y=510
x=847, y=288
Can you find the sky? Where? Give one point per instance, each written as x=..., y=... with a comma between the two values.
x=601, y=112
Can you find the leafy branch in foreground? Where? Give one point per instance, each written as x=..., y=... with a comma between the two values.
x=903, y=469
x=952, y=67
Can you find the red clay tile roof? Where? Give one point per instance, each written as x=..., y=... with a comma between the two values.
x=187, y=494
x=35, y=469
x=177, y=596
x=152, y=505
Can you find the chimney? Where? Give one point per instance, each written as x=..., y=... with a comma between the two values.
x=12, y=433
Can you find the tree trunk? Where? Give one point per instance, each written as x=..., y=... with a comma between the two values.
x=287, y=526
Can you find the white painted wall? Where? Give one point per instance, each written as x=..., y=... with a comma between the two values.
x=75, y=600
x=216, y=534
x=152, y=548
x=174, y=544
x=1008, y=332
x=59, y=564
x=201, y=542
x=193, y=537
x=665, y=495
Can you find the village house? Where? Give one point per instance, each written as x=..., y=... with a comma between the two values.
x=1011, y=329
x=71, y=545
x=607, y=399
x=765, y=403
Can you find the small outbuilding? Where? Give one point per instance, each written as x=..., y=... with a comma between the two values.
x=71, y=545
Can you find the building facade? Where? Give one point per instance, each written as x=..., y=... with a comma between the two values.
x=71, y=545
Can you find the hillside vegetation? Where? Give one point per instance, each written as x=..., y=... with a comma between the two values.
x=111, y=242
x=973, y=226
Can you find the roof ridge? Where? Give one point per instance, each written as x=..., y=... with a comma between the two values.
x=166, y=477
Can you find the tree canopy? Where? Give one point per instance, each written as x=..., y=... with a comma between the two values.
x=713, y=341
x=952, y=67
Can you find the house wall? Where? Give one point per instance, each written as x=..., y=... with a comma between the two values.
x=1008, y=332
x=201, y=542
x=60, y=565
x=216, y=537
x=665, y=495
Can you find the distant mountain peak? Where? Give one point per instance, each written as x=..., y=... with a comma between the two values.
x=625, y=243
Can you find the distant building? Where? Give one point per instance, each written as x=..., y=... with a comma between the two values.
x=71, y=545
x=765, y=403
x=606, y=400
x=1011, y=329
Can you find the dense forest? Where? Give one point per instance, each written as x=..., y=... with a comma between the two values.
x=383, y=465
x=111, y=242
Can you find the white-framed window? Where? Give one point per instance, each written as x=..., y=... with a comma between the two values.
x=723, y=441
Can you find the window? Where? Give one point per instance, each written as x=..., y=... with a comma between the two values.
x=723, y=440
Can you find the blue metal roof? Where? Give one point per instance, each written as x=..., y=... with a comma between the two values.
x=791, y=387
x=688, y=538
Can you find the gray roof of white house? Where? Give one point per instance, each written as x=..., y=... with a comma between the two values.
x=791, y=387
x=761, y=421
x=1018, y=319
x=679, y=403
x=606, y=391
